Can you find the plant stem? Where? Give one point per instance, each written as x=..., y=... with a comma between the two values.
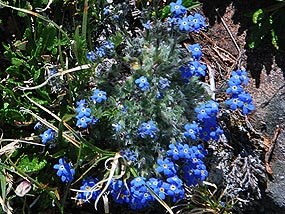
x=84, y=21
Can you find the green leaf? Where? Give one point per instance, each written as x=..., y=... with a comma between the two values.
x=36, y=72
x=3, y=185
x=17, y=62
x=257, y=16
x=68, y=117
x=165, y=12
x=117, y=39
x=31, y=165
x=274, y=39
x=44, y=94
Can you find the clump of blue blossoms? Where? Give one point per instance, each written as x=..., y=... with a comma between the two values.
x=192, y=130
x=196, y=51
x=185, y=22
x=87, y=191
x=166, y=167
x=105, y=49
x=194, y=67
x=84, y=117
x=147, y=129
x=142, y=83
x=207, y=117
x=64, y=170
x=47, y=136
x=193, y=168
x=98, y=96
x=239, y=99
x=177, y=8
x=129, y=155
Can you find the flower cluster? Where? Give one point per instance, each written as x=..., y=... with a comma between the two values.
x=194, y=67
x=142, y=83
x=138, y=196
x=207, y=117
x=239, y=99
x=129, y=155
x=47, y=136
x=186, y=23
x=83, y=116
x=194, y=169
x=192, y=130
x=147, y=129
x=64, y=170
x=98, y=96
x=87, y=190
x=106, y=48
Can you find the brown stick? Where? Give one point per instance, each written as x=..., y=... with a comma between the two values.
x=270, y=150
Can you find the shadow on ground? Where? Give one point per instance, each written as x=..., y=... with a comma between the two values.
x=265, y=55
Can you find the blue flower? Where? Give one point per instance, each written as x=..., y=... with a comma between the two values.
x=200, y=172
x=239, y=77
x=158, y=186
x=175, y=190
x=106, y=11
x=177, y=8
x=166, y=167
x=184, y=25
x=130, y=155
x=64, y=170
x=199, y=151
x=184, y=151
x=162, y=189
x=140, y=197
x=159, y=95
x=98, y=96
x=91, y=56
x=234, y=89
x=117, y=127
x=142, y=83
x=116, y=17
x=38, y=125
x=195, y=50
x=108, y=45
x=197, y=22
x=138, y=182
x=52, y=71
x=198, y=68
x=164, y=83
x=203, y=113
x=82, y=122
x=207, y=111
x=81, y=103
x=81, y=111
x=213, y=129
x=47, y=136
x=147, y=129
x=186, y=72
x=213, y=107
x=192, y=130
x=87, y=191
x=234, y=103
x=173, y=152
x=246, y=99
x=172, y=21
x=147, y=25
x=100, y=52
x=119, y=192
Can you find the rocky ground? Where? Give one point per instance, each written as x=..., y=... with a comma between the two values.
x=225, y=45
